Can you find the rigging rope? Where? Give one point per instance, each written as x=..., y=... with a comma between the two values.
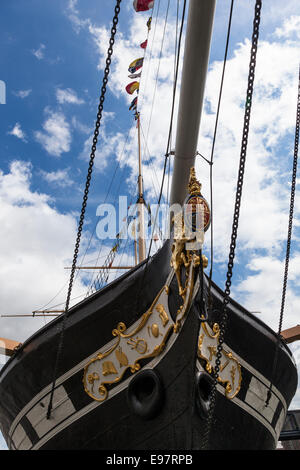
x=108, y=191
x=224, y=317
x=85, y=198
x=147, y=74
x=158, y=67
x=212, y=152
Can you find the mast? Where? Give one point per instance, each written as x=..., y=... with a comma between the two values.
x=141, y=201
x=135, y=245
x=195, y=64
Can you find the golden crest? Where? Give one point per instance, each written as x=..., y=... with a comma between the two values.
x=194, y=187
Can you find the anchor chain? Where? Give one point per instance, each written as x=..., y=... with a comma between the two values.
x=85, y=196
x=224, y=318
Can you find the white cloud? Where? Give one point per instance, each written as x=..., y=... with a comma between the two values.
x=17, y=132
x=261, y=290
x=79, y=126
x=39, y=53
x=68, y=96
x=59, y=178
x=109, y=144
x=22, y=93
x=56, y=137
x=73, y=15
x=291, y=27
x=36, y=245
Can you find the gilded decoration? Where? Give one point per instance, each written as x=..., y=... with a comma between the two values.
x=188, y=236
x=145, y=339
x=148, y=336
x=230, y=370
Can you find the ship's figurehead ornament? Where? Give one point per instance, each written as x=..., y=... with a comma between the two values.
x=189, y=227
x=196, y=214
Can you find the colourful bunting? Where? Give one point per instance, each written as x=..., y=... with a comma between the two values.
x=133, y=104
x=143, y=5
x=136, y=65
x=131, y=87
x=135, y=75
x=149, y=23
x=139, y=5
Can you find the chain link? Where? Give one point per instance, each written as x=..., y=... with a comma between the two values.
x=224, y=318
x=85, y=196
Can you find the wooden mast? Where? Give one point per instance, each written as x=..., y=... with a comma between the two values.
x=135, y=245
x=141, y=201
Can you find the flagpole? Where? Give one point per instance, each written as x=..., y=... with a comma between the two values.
x=135, y=245
x=141, y=201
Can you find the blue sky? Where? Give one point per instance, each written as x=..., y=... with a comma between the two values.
x=51, y=55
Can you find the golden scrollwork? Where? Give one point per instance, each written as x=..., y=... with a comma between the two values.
x=187, y=298
x=185, y=248
x=130, y=348
x=179, y=258
x=230, y=374
x=194, y=187
x=162, y=314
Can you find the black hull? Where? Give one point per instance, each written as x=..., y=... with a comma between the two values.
x=167, y=385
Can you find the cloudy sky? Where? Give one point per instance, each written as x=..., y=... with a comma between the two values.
x=52, y=55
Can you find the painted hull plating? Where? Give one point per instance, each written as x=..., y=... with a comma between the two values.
x=161, y=406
